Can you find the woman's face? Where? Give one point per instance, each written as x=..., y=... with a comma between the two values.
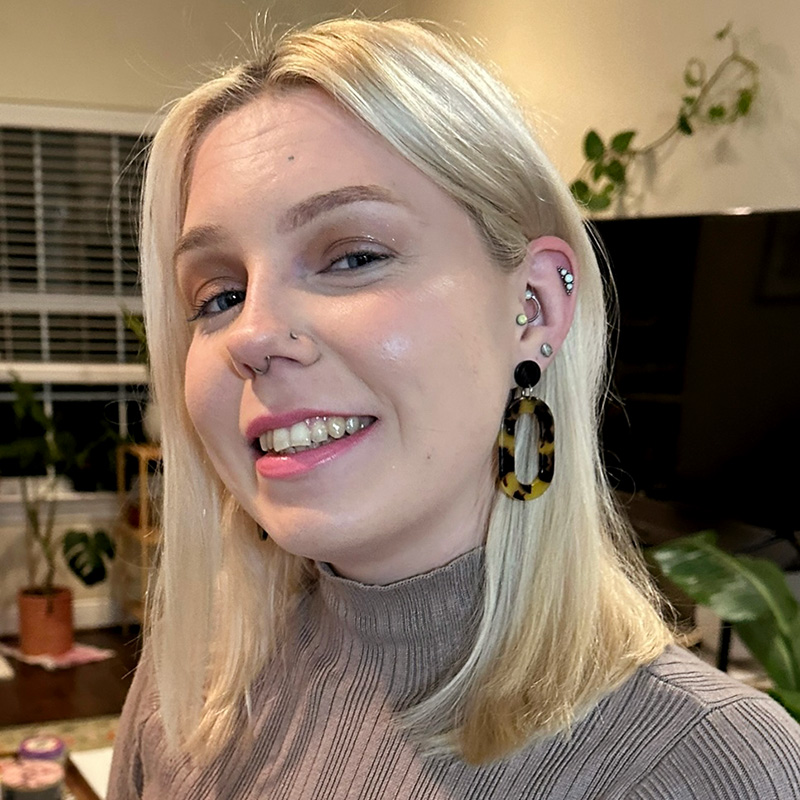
x=302, y=223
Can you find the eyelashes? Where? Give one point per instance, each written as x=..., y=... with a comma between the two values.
x=357, y=259
x=222, y=301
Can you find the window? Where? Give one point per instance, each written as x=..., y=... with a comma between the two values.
x=69, y=205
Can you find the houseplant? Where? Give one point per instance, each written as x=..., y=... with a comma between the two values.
x=750, y=593
x=43, y=454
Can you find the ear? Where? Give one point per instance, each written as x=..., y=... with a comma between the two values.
x=556, y=294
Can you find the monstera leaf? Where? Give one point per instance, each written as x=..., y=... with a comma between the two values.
x=750, y=593
x=86, y=554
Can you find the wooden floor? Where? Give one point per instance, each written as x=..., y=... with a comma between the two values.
x=34, y=695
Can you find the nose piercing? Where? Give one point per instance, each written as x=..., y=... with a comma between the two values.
x=524, y=319
x=293, y=336
x=258, y=371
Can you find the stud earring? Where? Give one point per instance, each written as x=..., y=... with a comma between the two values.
x=524, y=319
x=526, y=376
x=567, y=278
x=546, y=349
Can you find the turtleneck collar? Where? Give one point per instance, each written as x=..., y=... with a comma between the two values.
x=439, y=606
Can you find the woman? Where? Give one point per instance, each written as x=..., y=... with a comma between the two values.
x=353, y=250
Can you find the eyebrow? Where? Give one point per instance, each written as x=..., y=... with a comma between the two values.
x=307, y=210
x=298, y=215
x=198, y=238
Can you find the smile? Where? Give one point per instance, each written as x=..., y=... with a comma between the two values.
x=310, y=434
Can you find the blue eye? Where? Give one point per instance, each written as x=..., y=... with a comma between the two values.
x=218, y=304
x=356, y=260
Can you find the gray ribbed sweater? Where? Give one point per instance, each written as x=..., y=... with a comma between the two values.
x=324, y=730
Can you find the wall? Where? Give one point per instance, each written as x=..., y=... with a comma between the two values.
x=618, y=64
x=95, y=606
x=609, y=65
x=133, y=55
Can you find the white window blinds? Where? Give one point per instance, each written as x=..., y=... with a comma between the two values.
x=69, y=202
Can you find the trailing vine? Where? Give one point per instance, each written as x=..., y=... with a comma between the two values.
x=719, y=98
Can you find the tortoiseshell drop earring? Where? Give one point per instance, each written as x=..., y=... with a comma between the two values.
x=526, y=376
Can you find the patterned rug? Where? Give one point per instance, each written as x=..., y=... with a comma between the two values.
x=79, y=734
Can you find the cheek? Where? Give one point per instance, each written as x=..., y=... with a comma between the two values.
x=205, y=394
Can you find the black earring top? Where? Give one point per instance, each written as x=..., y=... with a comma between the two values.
x=527, y=374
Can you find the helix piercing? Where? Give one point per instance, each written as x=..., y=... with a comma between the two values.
x=567, y=278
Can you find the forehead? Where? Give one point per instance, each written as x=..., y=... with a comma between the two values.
x=288, y=144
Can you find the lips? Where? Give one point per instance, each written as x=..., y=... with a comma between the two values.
x=294, y=442
x=310, y=433
x=342, y=433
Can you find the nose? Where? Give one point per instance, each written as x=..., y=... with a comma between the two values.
x=259, y=340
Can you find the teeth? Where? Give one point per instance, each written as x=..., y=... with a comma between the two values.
x=310, y=433
x=336, y=427
x=319, y=431
x=281, y=440
x=300, y=435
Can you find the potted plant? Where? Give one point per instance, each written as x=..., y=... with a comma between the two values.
x=45, y=609
x=752, y=594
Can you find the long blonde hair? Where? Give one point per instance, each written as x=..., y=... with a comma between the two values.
x=568, y=611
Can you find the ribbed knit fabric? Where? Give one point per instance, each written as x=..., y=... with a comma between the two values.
x=325, y=730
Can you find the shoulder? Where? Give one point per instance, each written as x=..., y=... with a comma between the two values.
x=716, y=738
x=141, y=704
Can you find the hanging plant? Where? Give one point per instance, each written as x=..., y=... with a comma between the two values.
x=718, y=98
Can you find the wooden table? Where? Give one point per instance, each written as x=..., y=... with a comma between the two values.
x=77, y=784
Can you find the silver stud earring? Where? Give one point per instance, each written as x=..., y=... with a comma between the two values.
x=547, y=349
x=524, y=319
x=294, y=336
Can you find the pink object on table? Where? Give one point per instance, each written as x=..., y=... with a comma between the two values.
x=79, y=654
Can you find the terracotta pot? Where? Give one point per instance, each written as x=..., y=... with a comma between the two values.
x=45, y=621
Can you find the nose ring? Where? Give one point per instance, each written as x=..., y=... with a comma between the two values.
x=258, y=371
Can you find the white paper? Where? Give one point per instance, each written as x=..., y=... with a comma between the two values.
x=95, y=766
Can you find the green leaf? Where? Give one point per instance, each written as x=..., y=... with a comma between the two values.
x=593, y=146
x=751, y=593
x=616, y=171
x=580, y=191
x=688, y=101
x=599, y=202
x=721, y=34
x=622, y=141
x=598, y=170
x=85, y=554
x=773, y=650
x=789, y=699
x=683, y=125
x=744, y=101
x=716, y=112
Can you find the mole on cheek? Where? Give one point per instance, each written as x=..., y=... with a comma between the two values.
x=291, y=158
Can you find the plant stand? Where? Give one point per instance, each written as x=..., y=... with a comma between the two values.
x=137, y=530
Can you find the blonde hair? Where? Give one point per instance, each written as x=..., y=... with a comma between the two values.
x=568, y=613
